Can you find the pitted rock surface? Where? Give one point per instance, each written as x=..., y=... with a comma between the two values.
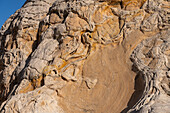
x=86, y=56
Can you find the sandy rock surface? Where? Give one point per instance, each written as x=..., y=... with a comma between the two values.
x=86, y=56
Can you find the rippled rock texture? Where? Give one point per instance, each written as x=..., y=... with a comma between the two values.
x=86, y=56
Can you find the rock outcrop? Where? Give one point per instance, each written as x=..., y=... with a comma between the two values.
x=86, y=56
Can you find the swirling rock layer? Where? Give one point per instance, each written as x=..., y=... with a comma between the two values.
x=86, y=56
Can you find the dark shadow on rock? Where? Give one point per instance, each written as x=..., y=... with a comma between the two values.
x=139, y=88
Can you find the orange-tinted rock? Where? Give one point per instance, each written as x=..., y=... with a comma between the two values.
x=94, y=56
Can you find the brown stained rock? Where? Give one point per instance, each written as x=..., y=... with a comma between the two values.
x=54, y=83
x=104, y=86
x=94, y=56
x=24, y=87
x=108, y=31
x=75, y=23
x=132, y=4
x=90, y=82
x=39, y=98
x=54, y=18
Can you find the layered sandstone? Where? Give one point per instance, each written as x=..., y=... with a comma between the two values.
x=86, y=56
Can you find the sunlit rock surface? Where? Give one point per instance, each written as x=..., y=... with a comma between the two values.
x=86, y=56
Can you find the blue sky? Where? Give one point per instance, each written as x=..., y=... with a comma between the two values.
x=7, y=8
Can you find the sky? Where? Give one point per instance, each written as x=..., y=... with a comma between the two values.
x=7, y=8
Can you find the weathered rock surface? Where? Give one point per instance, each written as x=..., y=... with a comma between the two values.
x=86, y=56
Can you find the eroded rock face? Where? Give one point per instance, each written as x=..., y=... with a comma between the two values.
x=93, y=56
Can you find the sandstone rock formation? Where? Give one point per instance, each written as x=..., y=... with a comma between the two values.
x=86, y=56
